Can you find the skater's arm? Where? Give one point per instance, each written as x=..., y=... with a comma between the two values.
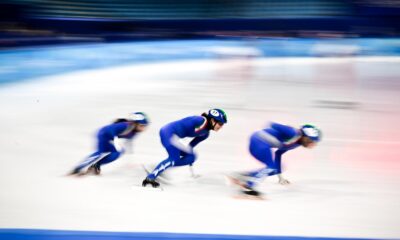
x=277, y=161
x=278, y=158
x=198, y=139
x=115, y=130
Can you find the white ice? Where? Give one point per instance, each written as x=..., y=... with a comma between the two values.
x=348, y=186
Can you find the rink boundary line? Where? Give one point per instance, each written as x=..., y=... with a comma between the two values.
x=42, y=234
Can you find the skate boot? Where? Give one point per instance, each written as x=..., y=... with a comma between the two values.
x=152, y=182
x=238, y=179
x=162, y=178
x=94, y=169
x=251, y=192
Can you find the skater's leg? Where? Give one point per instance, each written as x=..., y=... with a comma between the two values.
x=109, y=158
x=186, y=159
x=89, y=161
x=95, y=168
x=104, y=148
x=168, y=140
x=160, y=168
x=263, y=153
x=174, y=160
x=171, y=144
x=258, y=176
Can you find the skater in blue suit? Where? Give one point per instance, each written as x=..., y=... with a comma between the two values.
x=280, y=137
x=108, y=148
x=197, y=127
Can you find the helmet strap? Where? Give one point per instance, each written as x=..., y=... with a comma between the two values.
x=210, y=124
x=213, y=125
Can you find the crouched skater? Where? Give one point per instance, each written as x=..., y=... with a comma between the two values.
x=179, y=154
x=109, y=148
x=267, y=146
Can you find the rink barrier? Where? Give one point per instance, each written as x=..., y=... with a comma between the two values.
x=40, y=234
x=27, y=63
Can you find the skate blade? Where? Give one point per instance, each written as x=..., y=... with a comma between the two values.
x=147, y=188
x=232, y=181
x=92, y=173
x=77, y=175
x=160, y=178
x=248, y=197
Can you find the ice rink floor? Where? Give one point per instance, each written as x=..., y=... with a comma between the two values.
x=347, y=187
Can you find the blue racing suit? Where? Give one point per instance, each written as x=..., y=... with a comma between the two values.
x=106, y=149
x=277, y=136
x=178, y=153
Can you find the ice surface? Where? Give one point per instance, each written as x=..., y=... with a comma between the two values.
x=346, y=187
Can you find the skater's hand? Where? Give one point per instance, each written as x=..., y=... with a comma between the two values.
x=196, y=176
x=192, y=173
x=283, y=181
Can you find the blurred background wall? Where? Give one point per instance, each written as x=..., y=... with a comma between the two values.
x=27, y=22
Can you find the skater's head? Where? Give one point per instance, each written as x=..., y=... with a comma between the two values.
x=216, y=118
x=140, y=120
x=310, y=136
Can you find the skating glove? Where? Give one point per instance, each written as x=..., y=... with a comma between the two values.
x=282, y=180
x=192, y=173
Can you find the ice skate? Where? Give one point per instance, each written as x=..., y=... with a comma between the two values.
x=245, y=192
x=94, y=169
x=152, y=182
x=162, y=178
x=237, y=179
x=250, y=193
x=76, y=172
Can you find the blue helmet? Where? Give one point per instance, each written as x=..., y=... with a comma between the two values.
x=311, y=132
x=218, y=115
x=139, y=117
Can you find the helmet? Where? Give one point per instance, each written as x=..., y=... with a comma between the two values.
x=218, y=115
x=139, y=117
x=311, y=132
